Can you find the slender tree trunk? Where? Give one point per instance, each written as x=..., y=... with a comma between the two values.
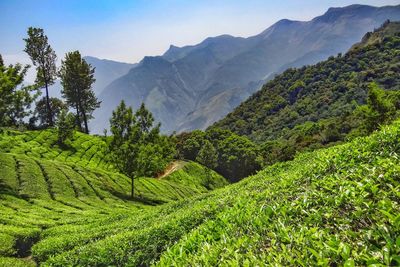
x=82, y=111
x=49, y=113
x=78, y=118
x=85, y=121
x=132, y=188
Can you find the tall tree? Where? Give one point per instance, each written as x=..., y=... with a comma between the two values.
x=44, y=59
x=77, y=77
x=15, y=98
x=136, y=146
x=123, y=150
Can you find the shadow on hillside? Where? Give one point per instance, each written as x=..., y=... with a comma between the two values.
x=136, y=198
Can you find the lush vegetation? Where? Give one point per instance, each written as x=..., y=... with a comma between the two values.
x=329, y=207
x=77, y=77
x=67, y=198
x=45, y=185
x=316, y=106
x=136, y=146
x=15, y=98
x=231, y=155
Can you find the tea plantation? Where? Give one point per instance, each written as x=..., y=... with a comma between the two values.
x=331, y=207
x=43, y=186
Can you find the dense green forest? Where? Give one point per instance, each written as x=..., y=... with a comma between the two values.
x=136, y=197
x=319, y=105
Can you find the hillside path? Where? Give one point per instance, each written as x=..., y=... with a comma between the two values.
x=174, y=166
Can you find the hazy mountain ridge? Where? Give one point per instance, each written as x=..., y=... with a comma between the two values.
x=299, y=105
x=106, y=71
x=193, y=86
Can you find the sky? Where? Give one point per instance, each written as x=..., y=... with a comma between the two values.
x=128, y=30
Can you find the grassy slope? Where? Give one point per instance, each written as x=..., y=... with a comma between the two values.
x=43, y=186
x=334, y=206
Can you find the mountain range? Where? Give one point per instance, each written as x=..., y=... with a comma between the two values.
x=192, y=87
x=106, y=71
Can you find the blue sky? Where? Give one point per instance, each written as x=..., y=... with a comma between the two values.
x=126, y=31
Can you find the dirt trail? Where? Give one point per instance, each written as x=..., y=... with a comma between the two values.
x=174, y=166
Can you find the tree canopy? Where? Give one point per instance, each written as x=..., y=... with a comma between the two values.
x=77, y=77
x=136, y=146
x=15, y=98
x=44, y=59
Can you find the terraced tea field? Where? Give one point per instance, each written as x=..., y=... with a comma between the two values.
x=44, y=186
x=332, y=207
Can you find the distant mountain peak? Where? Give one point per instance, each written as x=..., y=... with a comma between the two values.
x=279, y=25
x=207, y=80
x=334, y=13
x=284, y=22
x=151, y=60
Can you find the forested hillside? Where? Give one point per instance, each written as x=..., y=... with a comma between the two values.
x=315, y=105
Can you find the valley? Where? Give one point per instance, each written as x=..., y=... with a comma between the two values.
x=280, y=149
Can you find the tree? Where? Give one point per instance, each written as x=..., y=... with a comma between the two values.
x=378, y=110
x=137, y=149
x=238, y=157
x=65, y=126
x=188, y=145
x=145, y=120
x=44, y=59
x=208, y=155
x=15, y=98
x=56, y=105
x=77, y=77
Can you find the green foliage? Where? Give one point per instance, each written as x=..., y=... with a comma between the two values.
x=15, y=98
x=44, y=58
x=237, y=156
x=324, y=97
x=60, y=194
x=331, y=207
x=208, y=155
x=379, y=110
x=337, y=206
x=56, y=105
x=77, y=77
x=137, y=146
x=196, y=176
x=188, y=145
x=65, y=126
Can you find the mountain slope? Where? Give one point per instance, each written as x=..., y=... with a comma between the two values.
x=303, y=103
x=88, y=154
x=197, y=85
x=47, y=186
x=337, y=206
x=106, y=71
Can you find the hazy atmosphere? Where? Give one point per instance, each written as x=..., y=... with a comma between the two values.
x=129, y=30
x=199, y=133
